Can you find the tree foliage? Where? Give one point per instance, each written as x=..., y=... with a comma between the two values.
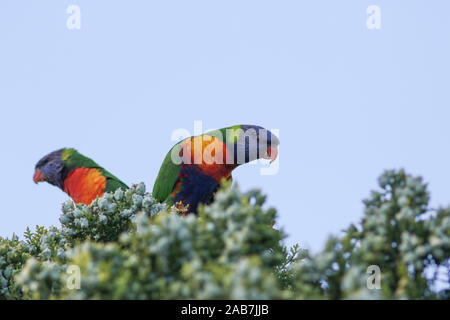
x=127, y=246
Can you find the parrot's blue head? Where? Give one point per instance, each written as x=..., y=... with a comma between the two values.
x=255, y=142
x=51, y=169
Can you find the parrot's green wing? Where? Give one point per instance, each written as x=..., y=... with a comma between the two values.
x=73, y=159
x=112, y=182
x=167, y=177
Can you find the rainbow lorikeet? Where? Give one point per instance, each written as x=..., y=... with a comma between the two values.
x=194, y=168
x=80, y=177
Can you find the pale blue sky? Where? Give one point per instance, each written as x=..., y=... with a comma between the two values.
x=348, y=101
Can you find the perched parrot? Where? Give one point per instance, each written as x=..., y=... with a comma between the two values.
x=194, y=168
x=80, y=177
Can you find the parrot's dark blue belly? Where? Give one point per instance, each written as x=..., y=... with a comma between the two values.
x=196, y=187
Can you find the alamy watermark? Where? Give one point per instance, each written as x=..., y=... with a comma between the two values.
x=74, y=279
x=373, y=21
x=74, y=19
x=374, y=280
x=232, y=146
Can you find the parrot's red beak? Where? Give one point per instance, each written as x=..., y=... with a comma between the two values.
x=38, y=176
x=271, y=154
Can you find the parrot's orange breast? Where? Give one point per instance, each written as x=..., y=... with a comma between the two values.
x=210, y=155
x=83, y=185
